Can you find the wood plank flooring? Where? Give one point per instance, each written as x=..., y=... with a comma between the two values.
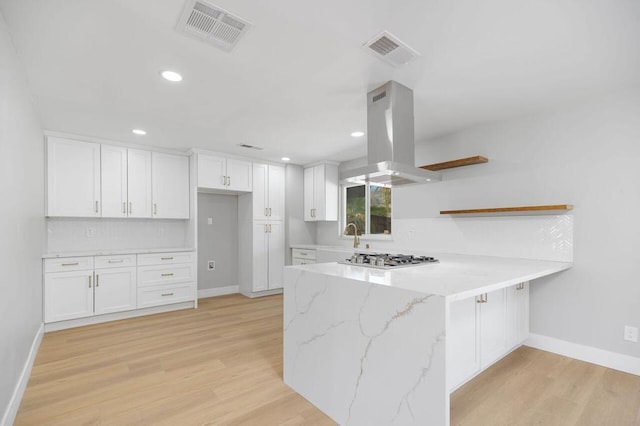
x=222, y=364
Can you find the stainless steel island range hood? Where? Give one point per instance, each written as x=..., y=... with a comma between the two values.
x=390, y=141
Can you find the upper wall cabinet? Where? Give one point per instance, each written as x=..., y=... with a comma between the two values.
x=224, y=173
x=73, y=178
x=170, y=180
x=321, y=192
x=268, y=192
x=87, y=179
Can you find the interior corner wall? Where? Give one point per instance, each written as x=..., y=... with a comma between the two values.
x=22, y=224
x=297, y=231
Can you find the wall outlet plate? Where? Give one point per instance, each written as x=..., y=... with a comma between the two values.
x=211, y=265
x=209, y=221
x=631, y=333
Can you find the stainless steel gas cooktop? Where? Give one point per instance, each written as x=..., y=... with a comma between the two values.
x=387, y=261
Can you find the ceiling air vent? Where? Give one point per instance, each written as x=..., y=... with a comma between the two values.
x=244, y=145
x=390, y=49
x=212, y=24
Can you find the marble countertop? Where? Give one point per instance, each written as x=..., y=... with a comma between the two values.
x=455, y=277
x=52, y=255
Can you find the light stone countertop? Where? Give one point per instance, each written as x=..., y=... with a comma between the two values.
x=455, y=277
x=53, y=255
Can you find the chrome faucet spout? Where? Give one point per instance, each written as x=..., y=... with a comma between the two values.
x=356, y=239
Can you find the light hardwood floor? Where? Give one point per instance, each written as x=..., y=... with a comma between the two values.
x=222, y=364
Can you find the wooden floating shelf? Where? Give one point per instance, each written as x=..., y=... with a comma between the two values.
x=478, y=159
x=551, y=209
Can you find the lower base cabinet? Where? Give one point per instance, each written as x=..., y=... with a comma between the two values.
x=483, y=329
x=115, y=290
x=68, y=295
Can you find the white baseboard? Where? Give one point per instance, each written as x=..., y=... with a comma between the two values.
x=614, y=360
x=219, y=291
x=253, y=295
x=14, y=404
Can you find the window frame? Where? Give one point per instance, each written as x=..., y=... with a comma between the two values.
x=343, y=214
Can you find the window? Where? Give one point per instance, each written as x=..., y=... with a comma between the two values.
x=368, y=207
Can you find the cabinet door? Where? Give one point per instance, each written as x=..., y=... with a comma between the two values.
x=492, y=327
x=463, y=351
x=276, y=255
x=239, y=175
x=113, y=161
x=139, y=183
x=517, y=323
x=260, y=257
x=115, y=290
x=309, y=197
x=319, y=204
x=276, y=192
x=260, y=191
x=73, y=178
x=212, y=171
x=170, y=181
x=68, y=295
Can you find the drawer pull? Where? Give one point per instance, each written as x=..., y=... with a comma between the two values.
x=167, y=275
x=167, y=294
x=116, y=261
x=166, y=258
x=70, y=264
x=303, y=253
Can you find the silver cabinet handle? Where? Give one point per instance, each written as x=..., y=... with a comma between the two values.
x=124, y=207
x=520, y=286
x=155, y=209
x=228, y=180
x=270, y=212
x=170, y=274
x=166, y=258
x=97, y=280
x=89, y=281
x=130, y=207
x=266, y=211
x=116, y=261
x=224, y=180
x=266, y=229
x=70, y=264
x=97, y=206
x=482, y=298
x=167, y=294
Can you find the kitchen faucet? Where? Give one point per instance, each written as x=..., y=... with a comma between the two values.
x=356, y=239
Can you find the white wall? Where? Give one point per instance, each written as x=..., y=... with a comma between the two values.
x=586, y=155
x=82, y=234
x=22, y=214
x=218, y=241
x=297, y=231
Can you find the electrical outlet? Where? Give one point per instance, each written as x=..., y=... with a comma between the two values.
x=211, y=265
x=209, y=221
x=631, y=333
x=91, y=232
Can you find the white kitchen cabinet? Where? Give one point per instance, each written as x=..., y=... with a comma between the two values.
x=268, y=192
x=166, y=278
x=463, y=349
x=139, y=191
x=229, y=174
x=492, y=327
x=73, y=178
x=321, y=192
x=303, y=256
x=517, y=322
x=268, y=256
x=115, y=290
x=68, y=295
x=113, y=172
x=170, y=182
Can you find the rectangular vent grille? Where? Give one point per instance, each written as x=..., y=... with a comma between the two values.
x=379, y=96
x=244, y=145
x=390, y=49
x=212, y=24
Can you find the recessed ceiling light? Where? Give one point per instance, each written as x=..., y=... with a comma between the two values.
x=171, y=76
x=357, y=134
x=139, y=132
x=286, y=159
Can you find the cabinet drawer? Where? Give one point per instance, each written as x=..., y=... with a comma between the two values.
x=298, y=261
x=166, y=294
x=115, y=261
x=303, y=254
x=65, y=264
x=164, y=274
x=165, y=258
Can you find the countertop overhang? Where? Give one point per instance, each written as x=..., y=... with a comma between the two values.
x=455, y=277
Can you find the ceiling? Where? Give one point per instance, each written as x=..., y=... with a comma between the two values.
x=296, y=83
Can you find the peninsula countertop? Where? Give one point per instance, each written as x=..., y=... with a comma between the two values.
x=455, y=276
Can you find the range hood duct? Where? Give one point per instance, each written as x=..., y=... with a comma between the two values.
x=390, y=141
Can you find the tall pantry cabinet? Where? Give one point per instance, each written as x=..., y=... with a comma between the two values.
x=261, y=243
